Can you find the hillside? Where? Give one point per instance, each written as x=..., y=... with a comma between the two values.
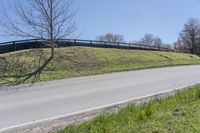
x=80, y=61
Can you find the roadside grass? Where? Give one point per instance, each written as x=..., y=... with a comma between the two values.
x=175, y=114
x=82, y=61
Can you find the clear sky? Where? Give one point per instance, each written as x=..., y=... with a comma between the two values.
x=133, y=18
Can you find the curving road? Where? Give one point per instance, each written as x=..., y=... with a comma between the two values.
x=51, y=99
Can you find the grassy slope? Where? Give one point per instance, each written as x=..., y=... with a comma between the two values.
x=80, y=61
x=177, y=114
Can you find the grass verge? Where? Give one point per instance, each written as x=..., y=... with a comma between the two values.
x=82, y=61
x=176, y=114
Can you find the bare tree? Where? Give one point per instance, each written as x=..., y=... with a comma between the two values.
x=190, y=35
x=167, y=45
x=48, y=20
x=118, y=38
x=181, y=46
x=136, y=42
x=110, y=37
x=148, y=39
x=157, y=42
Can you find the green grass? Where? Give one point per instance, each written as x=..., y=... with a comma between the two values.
x=176, y=114
x=81, y=61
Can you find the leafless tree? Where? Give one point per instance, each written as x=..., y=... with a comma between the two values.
x=136, y=42
x=48, y=20
x=118, y=38
x=110, y=37
x=181, y=46
x=190, y=35
x=148, y=39
x=157, y=42
x=167, y=45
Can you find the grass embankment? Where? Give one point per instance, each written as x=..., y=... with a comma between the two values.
x=177, y=114
x=80, y=61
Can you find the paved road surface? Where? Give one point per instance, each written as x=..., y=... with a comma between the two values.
x=61, y=97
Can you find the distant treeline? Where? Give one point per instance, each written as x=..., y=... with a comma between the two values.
x=187, y=42
x=148, y=39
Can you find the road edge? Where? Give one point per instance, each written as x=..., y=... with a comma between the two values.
x=52, y=125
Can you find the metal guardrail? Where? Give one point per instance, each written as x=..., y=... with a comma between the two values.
x=6, y=47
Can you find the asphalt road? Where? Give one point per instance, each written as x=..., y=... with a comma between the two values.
x=56, y=98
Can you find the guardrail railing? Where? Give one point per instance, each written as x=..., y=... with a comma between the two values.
x=6, y=47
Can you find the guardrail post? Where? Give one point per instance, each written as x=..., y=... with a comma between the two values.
x=7, y=48
x=37, y=44
x=74, y=42
x=14, y=46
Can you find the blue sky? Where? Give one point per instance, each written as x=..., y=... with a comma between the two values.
x=133, y=18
